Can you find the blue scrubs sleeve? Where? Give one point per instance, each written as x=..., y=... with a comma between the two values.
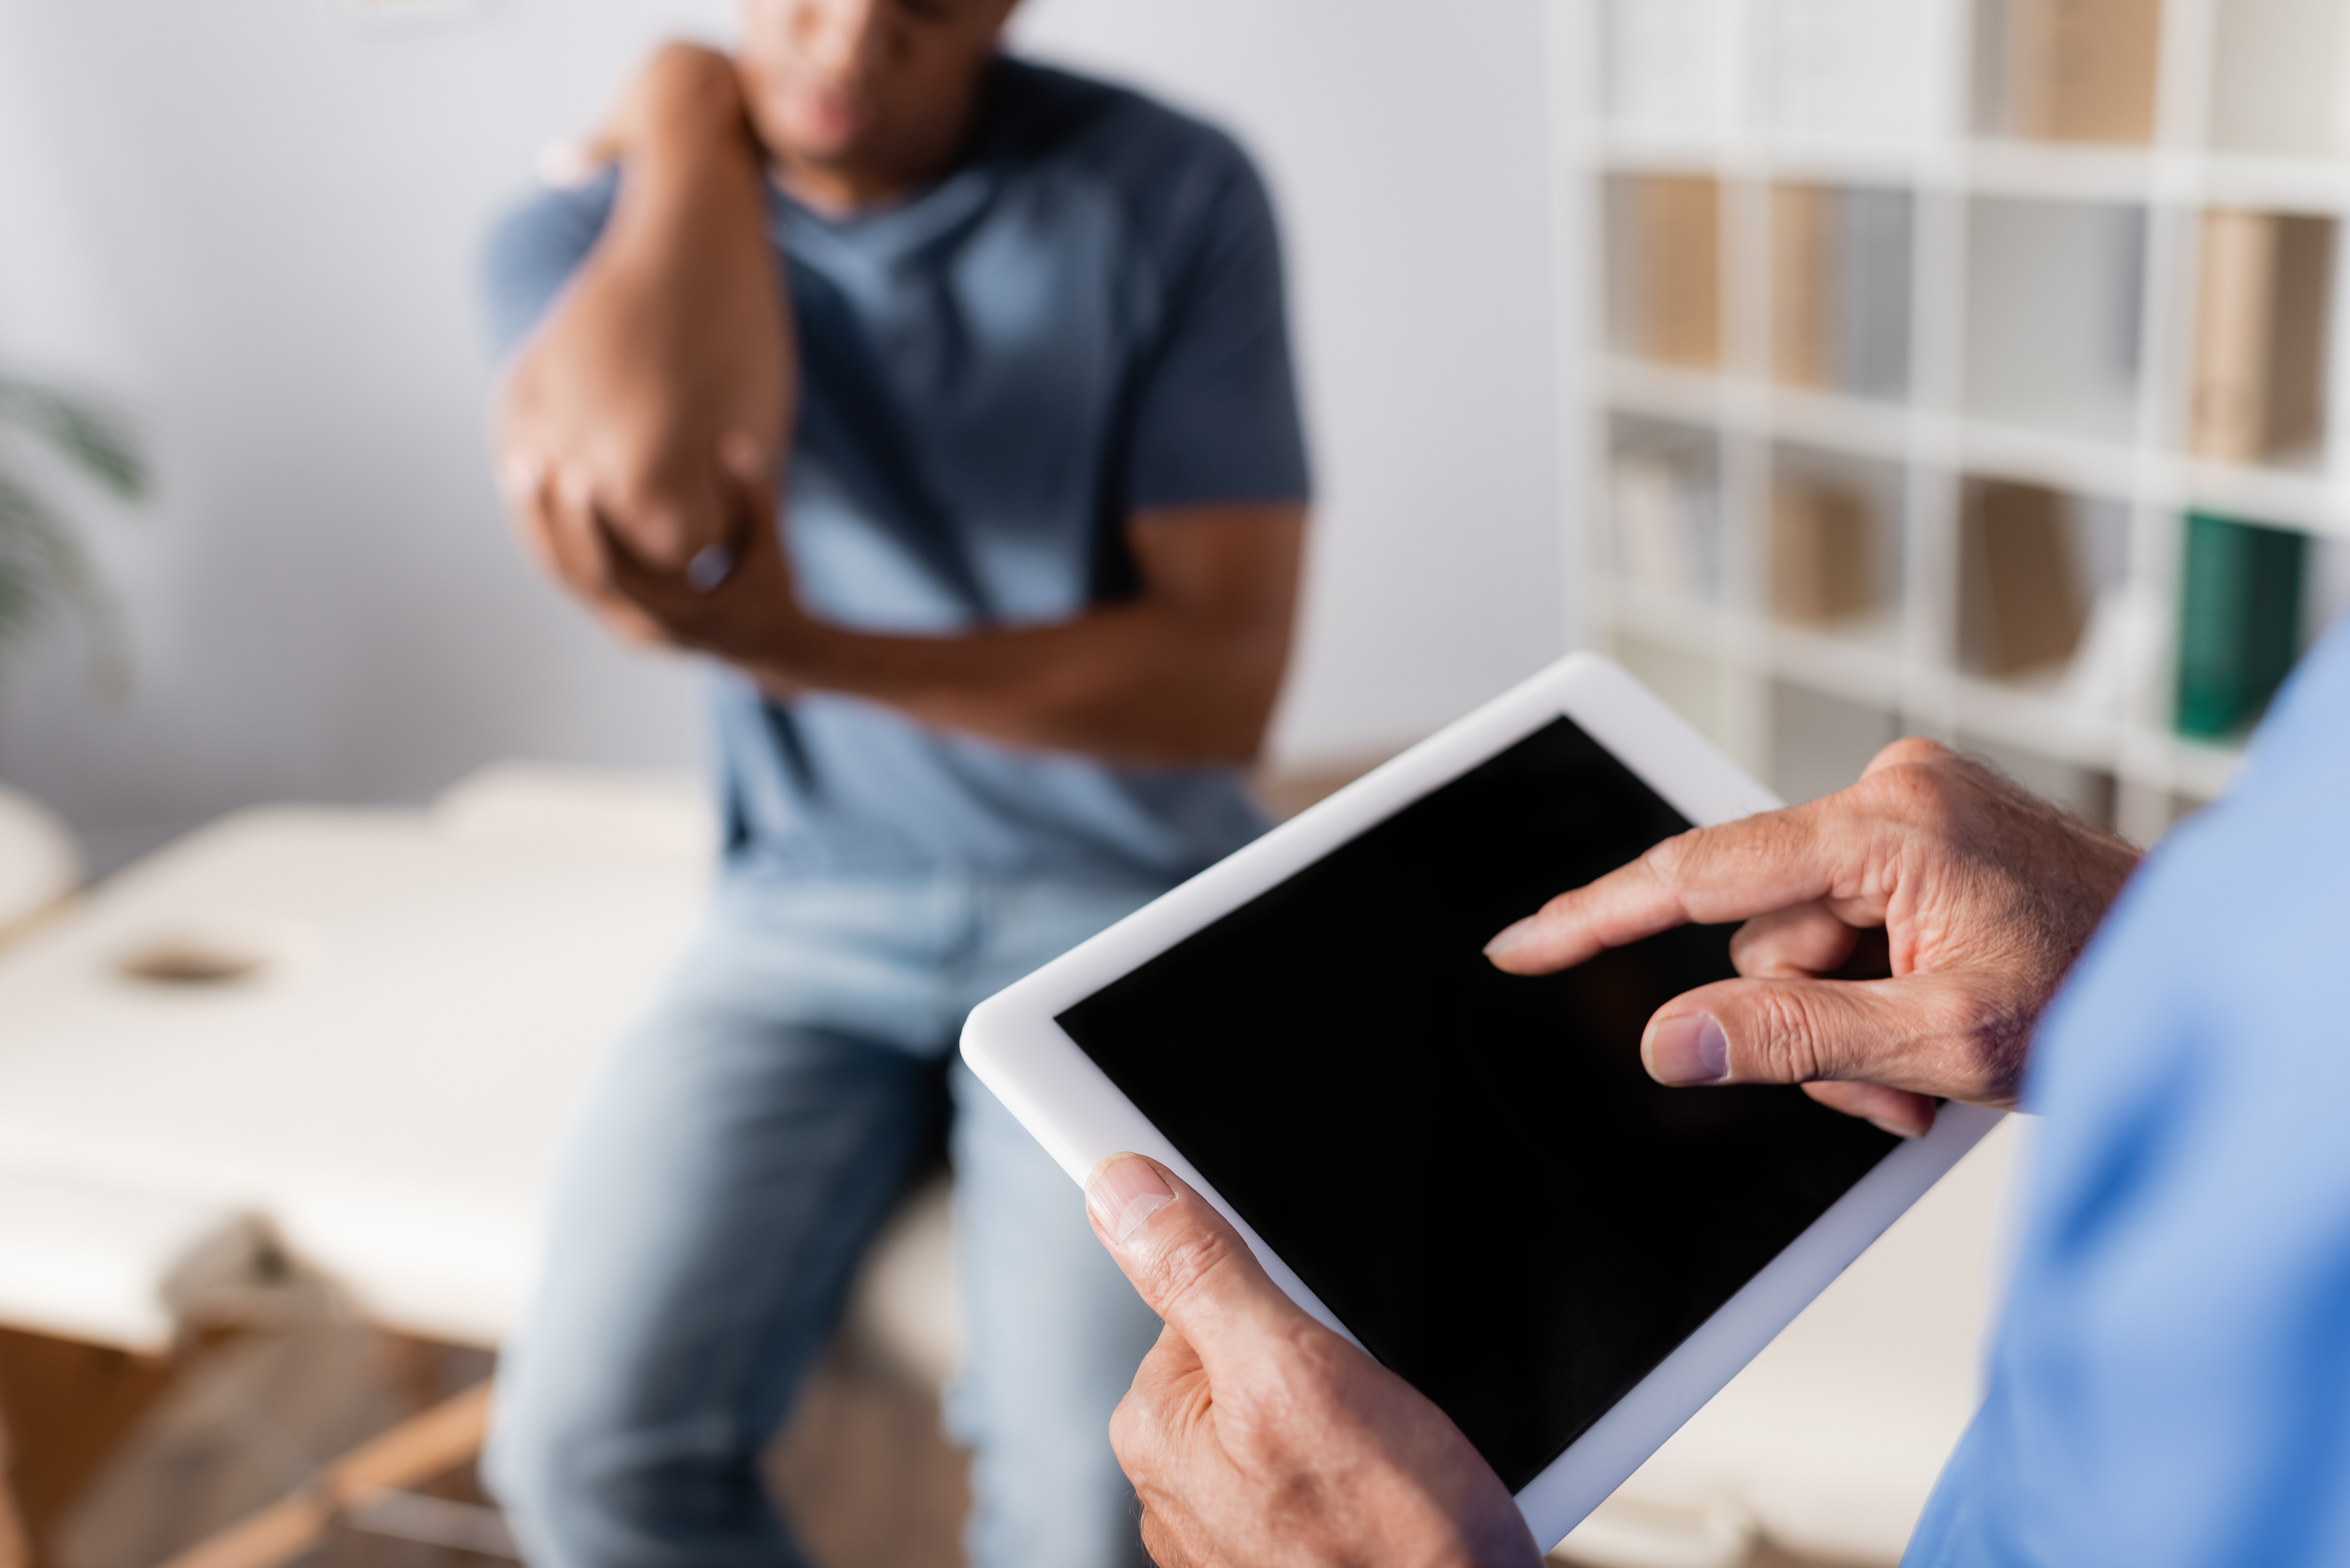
x=2171, y=1382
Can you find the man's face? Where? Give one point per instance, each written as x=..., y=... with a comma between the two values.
x=864, y=83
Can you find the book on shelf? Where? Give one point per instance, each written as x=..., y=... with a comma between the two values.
x=1823, y=551
x=2240, y=608
x=2021, y=604
x=2263, y=300
x=1664, y=268
x=1840, y=289
x=1667, y=511
x=1804, y=284
x=2068, y=70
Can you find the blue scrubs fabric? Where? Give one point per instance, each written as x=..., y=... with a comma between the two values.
x=2171, y=1383
x=1083, y=321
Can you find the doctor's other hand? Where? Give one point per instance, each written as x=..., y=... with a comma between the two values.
x=1254, y=1435
x=1900, y=937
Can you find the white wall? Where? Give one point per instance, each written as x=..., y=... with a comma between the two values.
x=257, y=220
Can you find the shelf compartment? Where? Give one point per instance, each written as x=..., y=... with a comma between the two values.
x=1840, y=274
x=1664, y=505
x=1668, y=63
x=1664, y=268
x=2044, y=598
x=1852, y=69
x=1834, y=547
x=2278, y=77
x=2067, y=70
x=2052, y=293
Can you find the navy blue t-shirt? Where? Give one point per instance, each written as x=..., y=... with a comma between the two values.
x=1083, y=320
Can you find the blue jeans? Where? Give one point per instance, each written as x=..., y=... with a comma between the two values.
x=731, y=1166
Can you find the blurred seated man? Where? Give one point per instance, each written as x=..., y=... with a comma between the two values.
x=943, y=402
x=2170, y=1385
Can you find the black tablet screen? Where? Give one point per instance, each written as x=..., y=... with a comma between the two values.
x=1472, y=1170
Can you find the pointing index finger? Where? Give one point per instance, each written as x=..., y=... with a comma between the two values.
x=1707, y=876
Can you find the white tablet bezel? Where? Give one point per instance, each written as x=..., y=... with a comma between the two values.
x=1015, y=1047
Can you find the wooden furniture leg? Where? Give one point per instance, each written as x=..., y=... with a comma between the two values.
x=415, y=1451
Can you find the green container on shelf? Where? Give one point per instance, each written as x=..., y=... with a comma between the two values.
x=2238, y=622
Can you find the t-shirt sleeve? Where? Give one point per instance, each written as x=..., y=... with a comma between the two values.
x=532, y=253
x=1215, y=414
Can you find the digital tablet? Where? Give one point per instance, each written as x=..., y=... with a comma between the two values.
x=1566, y=1256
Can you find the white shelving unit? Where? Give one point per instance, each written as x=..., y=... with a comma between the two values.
x=1884, y=94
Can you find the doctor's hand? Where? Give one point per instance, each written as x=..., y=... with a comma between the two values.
x=1900, y=938
x=1255, y=1436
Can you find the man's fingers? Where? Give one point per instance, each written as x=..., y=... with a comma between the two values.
x=1190, y=1266
x=1709, y=875
x=1168, y=1545
x=746, y=490
x=1900, y=1112
x=1916, y=1033
x=572, y=534
x=1170, y=1389
x=1807, y=940
x=585, y=559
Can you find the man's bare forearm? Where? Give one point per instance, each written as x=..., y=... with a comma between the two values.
x=1187, y=673
x=672, y=334
x=1138, y=684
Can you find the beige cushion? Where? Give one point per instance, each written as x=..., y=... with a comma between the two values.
x=39, y=862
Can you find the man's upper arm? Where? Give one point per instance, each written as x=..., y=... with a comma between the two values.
x=1234, y=563
x=533, y=252
x=1215, y=415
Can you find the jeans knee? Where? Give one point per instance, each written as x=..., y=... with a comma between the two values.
x=593, y=1487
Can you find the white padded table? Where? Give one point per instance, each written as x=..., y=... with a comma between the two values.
x=383, y=1090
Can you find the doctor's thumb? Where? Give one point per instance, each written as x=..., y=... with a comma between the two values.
x=1186, y=1261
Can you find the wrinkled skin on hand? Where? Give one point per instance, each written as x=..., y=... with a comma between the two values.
x=1901, y=937
x=1255, y=1437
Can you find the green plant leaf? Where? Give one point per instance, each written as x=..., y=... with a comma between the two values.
x=95, y=436
x=41, y=562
